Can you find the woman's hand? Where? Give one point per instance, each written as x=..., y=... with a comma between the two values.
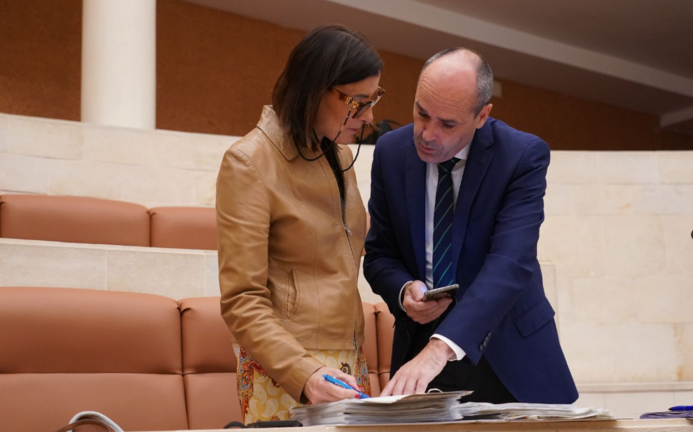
x=319, y=390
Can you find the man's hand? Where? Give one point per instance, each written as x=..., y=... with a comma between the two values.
x=418, y=310
x=319, y=390
x=415, y=375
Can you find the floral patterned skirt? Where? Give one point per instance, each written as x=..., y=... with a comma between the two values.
x=262, y=399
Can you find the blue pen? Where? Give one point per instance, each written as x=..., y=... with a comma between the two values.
x=342, y=384
x=682, y=408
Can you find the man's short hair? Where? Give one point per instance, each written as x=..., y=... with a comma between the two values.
x=484, y=75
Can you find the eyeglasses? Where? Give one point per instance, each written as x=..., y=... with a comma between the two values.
x=360, y=107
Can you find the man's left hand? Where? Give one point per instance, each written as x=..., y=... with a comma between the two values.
x=416, y=374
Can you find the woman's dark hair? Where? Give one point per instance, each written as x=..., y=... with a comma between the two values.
x=328, y=56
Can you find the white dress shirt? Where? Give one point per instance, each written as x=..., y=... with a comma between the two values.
x=431, y=187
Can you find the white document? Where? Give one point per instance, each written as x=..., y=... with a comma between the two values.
x=435, y=407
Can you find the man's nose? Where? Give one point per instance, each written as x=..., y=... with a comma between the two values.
x=428, y=133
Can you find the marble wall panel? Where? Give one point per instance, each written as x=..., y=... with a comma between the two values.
x=603, y=301
x=575, y=244
x=635, y=246
x=173, y=273
x=626, y=168
x=49, y=264
x=558, y=199
x=572, y=167
x=45, y=138
x=675, y=167
x=3, y=134
x=604, y=199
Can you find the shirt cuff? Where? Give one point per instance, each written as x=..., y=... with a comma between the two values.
x=459, y=352
x=401, y=295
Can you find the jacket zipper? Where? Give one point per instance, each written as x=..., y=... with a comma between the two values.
x=347, y=233
x=351, y=248
x=347, y=230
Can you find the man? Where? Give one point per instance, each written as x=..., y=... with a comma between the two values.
x=457, y=197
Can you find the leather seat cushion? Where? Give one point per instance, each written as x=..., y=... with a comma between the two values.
x=184, y=227
x=73, y=219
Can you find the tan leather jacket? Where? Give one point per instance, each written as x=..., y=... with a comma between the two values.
x=288, y=265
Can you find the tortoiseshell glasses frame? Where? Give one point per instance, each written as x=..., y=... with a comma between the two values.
x=360, y=107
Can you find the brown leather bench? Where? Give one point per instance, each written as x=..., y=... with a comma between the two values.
x=99, y=221
x=209, y=365
x=73, y=219
x=183, y=227
x=146, y=361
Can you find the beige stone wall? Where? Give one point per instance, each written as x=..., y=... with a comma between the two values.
x=632, y=400
x=153, y=168
x=617, y=230
x=175, y=273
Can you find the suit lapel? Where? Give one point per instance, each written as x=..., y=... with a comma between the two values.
x=415, y=192
x=478, y=161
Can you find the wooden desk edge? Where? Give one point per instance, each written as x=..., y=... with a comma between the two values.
x=658, y=425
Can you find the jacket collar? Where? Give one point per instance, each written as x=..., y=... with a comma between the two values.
x=269, y=125
x=483, y=137
x=478, y=162
x=415, y=196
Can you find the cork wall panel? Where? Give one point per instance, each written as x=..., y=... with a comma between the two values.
x=40, y=58
x=399, y=77
x=216, y=70
x=569, y=123
x=675, y=141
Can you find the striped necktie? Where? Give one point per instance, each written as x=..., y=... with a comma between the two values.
x=443, y=215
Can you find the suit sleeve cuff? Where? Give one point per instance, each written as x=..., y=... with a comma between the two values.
x=459, y=352
x=401, y=295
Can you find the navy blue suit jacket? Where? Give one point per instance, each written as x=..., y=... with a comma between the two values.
x=502, y=312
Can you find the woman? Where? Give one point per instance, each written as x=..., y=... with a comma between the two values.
x=291, y=230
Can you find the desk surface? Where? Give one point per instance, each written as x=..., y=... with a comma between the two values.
x=664, y=425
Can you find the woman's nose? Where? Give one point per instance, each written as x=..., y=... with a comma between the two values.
x=367, y=117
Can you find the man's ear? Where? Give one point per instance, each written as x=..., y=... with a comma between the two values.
x=483, y=115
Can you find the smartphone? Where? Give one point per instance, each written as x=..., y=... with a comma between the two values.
x=442, y=292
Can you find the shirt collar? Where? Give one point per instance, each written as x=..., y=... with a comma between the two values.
x=461, y=155
x=464, y=153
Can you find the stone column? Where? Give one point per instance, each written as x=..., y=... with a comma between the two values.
x=119, y=63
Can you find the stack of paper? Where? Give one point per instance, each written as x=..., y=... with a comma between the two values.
x=380, y=410
x=434, y=407
x=528, y=411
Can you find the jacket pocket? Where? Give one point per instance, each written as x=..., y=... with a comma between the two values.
x=535, y=318
x=292, y=294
